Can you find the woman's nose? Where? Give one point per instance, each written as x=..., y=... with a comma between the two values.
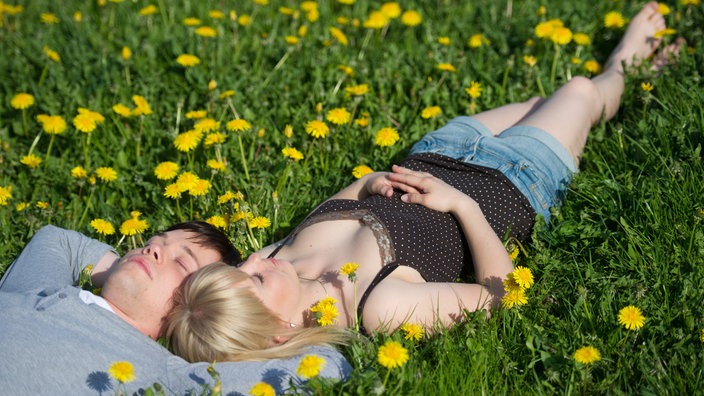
x=154, y=251
x=252, y=261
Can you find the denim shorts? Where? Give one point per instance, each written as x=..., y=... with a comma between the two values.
x=534, y=161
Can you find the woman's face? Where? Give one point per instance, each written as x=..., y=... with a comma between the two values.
x=276, y=284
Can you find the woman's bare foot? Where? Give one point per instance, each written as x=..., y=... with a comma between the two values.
x=667, y=55
x=639, y=41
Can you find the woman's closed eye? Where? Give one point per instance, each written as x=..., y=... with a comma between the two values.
x=259, y=276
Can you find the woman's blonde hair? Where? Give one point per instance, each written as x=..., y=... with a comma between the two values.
x=214, y=319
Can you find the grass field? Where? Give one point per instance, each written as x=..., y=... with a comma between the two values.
x=205, y=142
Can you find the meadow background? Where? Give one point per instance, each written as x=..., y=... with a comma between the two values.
x=630, y=234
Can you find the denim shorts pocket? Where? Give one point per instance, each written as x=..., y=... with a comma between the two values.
x=535, y=185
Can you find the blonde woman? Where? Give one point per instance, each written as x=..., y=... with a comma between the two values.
x=414, y=231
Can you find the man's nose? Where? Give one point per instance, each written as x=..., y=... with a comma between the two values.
x=154, y=251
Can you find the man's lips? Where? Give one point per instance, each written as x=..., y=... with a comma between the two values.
x=144, y=264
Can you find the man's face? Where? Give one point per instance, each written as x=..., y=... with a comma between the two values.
x=142, y=283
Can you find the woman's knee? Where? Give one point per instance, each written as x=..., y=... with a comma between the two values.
x=582, y=87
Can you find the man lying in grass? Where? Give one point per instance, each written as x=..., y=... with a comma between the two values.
x=60, y=339
x=404, y=237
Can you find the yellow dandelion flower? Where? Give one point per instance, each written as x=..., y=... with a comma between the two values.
x=206, y=31
x=143, y=107
x=513, y=254
x=523, y=276
x=345, y=69
x=51, y=54
x=561, y=36
x=48, y=18
x=325, y=311
x=79, y=172
x=362, y=122
x=663, y=9
x=691, y=2
x=106, y=174
x=411, y=18
x=646, y=86
x=126, y=53
x=338, y=116
x=191, y=21
x=386, y=137
x=545, y=29
x=310, y=366
x=541, y=11
x=214, y=138
x=292, y=153
x=575, y=60
x=530, y=60
x=22, y=101
x=361, y=170
x=216, y=165
x=122, y=372
x=375, y=20
x=392, y=354
x=216, y=14
x=134, y=225
x=102, y=226
x=587, y=355
x=444, y=40
x=196, y=114
x=446, y=67
x=614, y=20
x=122, y=110
x=474, y=90
x=349, y=269
x=227, y=93
x=413, y=331
x=166, y=170
x=187, y=60
x=317, y=129
x=581, y=39
x=187, y=180
x=339, y=35
x=187, y=141
x=244, y=20
x=262, y=389
x=514, y=297
x=207, y=125
x=84, y=123
x=346, y=2
x=31, y=161
x=260, y=222
x=217, y=221
x=42, y=204
x=308, y=6
x=291, y=40
x=357, y=90
x=477, y=40
x=93, y=115
x=52, y=124
x=592, y=66
x=631, y=318
x=510, y=283
x=664, y=32
x=148, y=10
x=199, y=187
x=392, y=9
x=431, y=112
x=20, y=206
x=5, y=194
x=173, y=191
x=288, y=131
x=238, y=125
x=226, y=197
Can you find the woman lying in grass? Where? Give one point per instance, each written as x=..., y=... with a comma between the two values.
x=442, y=214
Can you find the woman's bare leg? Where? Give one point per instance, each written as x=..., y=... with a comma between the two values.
x=572, y=110
x=503, y=117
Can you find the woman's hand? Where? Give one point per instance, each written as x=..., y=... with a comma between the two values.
x=425, y=189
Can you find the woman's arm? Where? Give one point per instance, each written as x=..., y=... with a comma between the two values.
x=492, y=263
x=369, y=184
